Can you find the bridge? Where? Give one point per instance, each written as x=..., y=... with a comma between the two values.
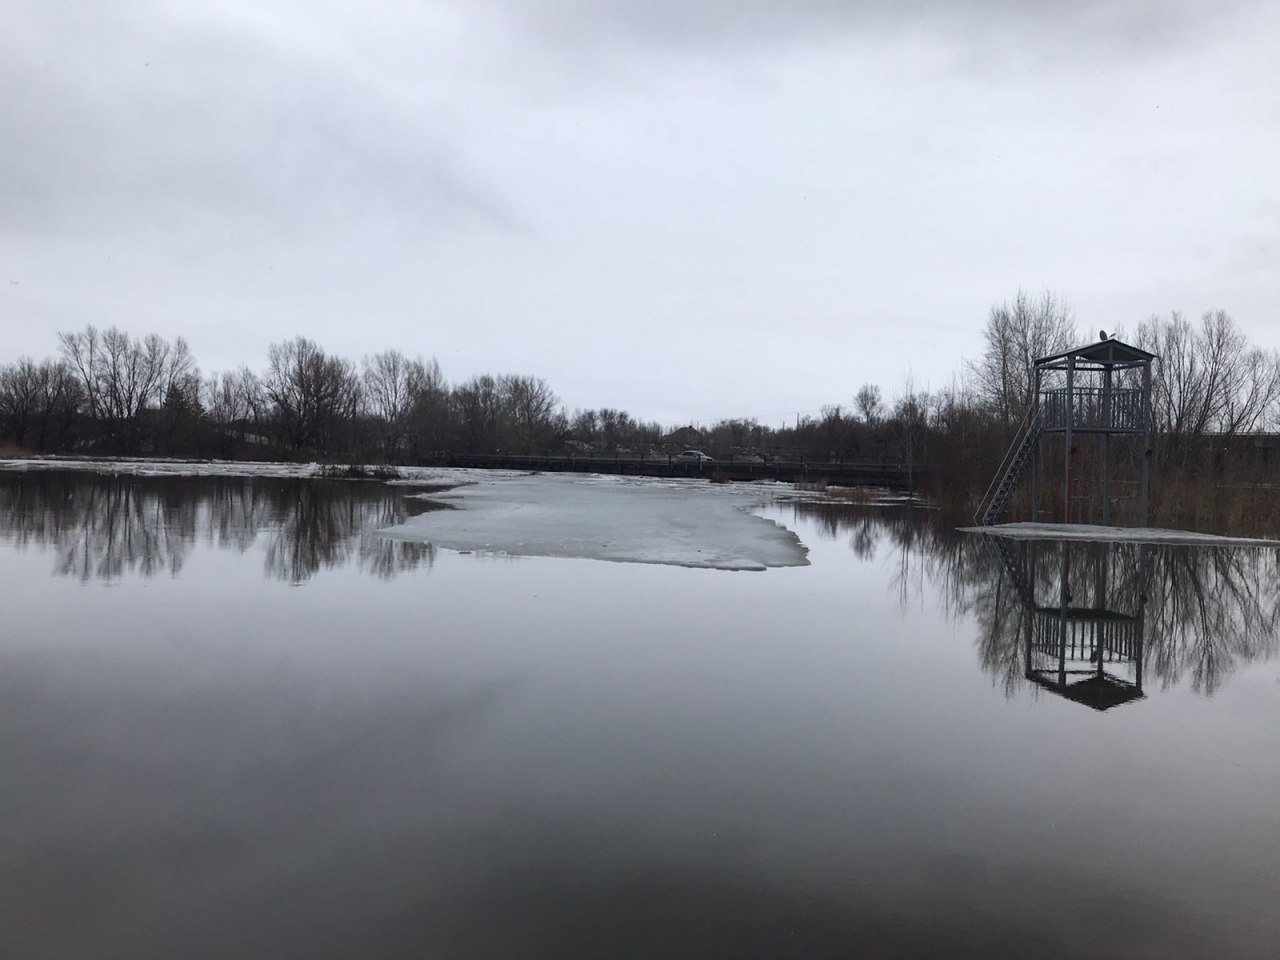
x=853, y=473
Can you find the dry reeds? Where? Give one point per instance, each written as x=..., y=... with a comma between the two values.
x=355, y=471
x=858, y=495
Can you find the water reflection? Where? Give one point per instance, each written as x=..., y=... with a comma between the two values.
x=1096, y=623
x=103, y=527
x=1085, y=640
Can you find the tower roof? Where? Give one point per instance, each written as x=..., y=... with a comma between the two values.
x=1106, y=353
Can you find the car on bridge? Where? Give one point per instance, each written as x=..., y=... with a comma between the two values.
x=694, y=456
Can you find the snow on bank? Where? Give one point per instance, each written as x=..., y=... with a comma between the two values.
x=1094, y=532
x=626, y=519
x=141, y=467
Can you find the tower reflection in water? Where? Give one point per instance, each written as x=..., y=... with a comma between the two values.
x=1084, y=638
x=1099, y=623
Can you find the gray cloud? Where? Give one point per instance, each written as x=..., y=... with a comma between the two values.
x=674, y=207
x=144, y=120
x=1050, y=27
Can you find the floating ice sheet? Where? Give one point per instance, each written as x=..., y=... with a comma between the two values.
x=686, y=523
x=1096, y=532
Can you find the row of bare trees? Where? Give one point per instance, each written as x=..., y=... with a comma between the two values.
x=1215, y=408
x=39, y=403
x=124, y=386
x=389, y=408
x=108, y=392
x=112, y=393
x=1210, y=379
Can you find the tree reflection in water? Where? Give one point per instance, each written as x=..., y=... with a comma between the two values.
x=103, y=527
x=1206, y=611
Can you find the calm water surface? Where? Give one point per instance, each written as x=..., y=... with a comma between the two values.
x=236, y=723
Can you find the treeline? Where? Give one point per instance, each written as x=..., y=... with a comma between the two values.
x=108, y=393
x=1215, y=398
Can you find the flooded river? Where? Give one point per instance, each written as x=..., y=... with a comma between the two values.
x=237, y=722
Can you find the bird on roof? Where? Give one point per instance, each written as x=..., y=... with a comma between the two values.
x=1102, y=334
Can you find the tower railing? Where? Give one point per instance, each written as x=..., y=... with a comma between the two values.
x=1086, y=409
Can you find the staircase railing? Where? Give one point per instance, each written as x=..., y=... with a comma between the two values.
x=1014, y=460
x=1017, y=576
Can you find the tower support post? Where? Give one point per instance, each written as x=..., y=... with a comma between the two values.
x=1066, y=449
x=1037, y=464
x=1145, y=506
x=1106, y=447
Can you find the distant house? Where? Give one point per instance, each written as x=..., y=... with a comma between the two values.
x=684, y=437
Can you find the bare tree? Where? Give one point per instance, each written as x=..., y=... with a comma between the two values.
x=616, y=427
x=179, y=396
x=868, y=404
x=1240, y=380
x=311, y=393
x=430, y=417
x=532, y=409
x=391, y=385
x=1208, y=380
x=179, y=372
x=233, y=403
x=1251, y=402
x=584, y=425
x=1016, y=335
x=122, y=377
x=129, y=373
x=510, y=413
x=81, y=351
x=20, y=399
x=1177, y=388
x=910, y=421
x=478, y=403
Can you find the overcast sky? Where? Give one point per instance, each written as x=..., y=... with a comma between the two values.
x=692, y=209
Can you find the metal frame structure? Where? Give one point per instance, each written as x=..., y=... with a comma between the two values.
x=1090, y=402
x=1080, y=392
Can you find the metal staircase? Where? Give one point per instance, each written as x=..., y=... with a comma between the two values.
x=1016, y=570
x=991, y=506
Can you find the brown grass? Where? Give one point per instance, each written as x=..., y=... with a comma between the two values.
x=1246, y=504
x=1238, y=509
x=9, y=452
